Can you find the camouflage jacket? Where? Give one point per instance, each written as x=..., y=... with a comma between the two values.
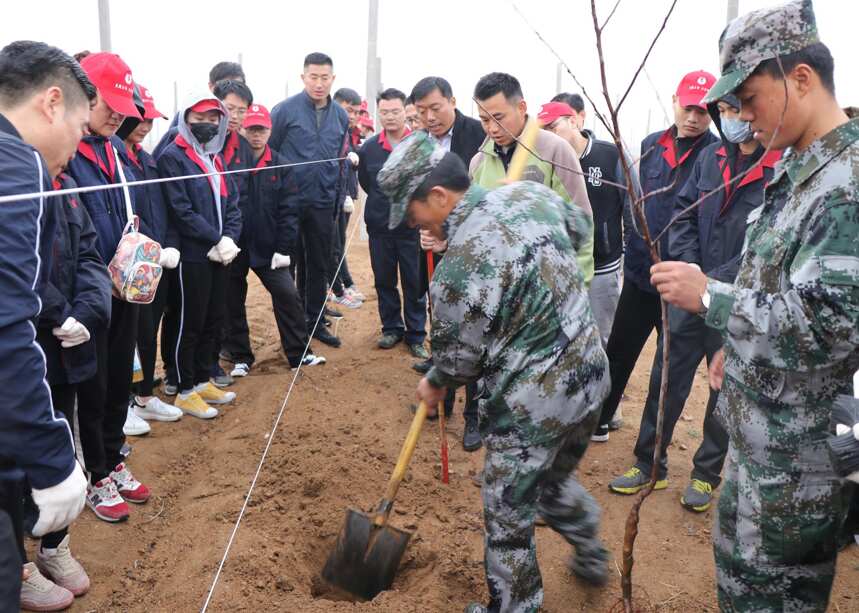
x=510, y=309
x=791, y=319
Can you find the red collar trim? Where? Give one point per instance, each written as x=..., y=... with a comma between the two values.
x=230, y=148
x=263, y=161
x=383, y=139
x=670, y=152
x=192, y=155
x=88, y=151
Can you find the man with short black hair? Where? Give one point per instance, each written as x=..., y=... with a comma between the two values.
x=223, y=71
x=393, y=251
x=435, y=106
x=309, y=127
x=413, y=120
x=45, y=102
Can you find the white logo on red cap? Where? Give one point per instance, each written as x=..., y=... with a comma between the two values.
x=146, y=93
x=702, y=80
x=128, y=78
x=255, y=108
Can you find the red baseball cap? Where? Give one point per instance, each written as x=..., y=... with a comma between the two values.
x=363, y=105
x=207, y=104
x=149, y=104
x=257, y=115
x=552, y=111
x=366, y=121
x=112, y=78
x=693, y=87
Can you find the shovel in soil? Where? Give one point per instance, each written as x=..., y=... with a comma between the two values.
x=368, y=550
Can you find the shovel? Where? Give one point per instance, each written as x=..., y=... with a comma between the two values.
x=445, y=467
x=368, y=550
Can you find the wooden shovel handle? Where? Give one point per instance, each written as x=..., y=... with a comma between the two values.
x=402, y=464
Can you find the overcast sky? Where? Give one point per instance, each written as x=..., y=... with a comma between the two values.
x=166, y=41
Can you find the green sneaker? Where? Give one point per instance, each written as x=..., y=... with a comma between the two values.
x=697, y=496
x=387, y=341
x=633, y=481
x=419, y=351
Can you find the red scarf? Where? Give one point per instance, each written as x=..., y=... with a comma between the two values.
x=263, y=161
x=219, y=164
x=132, y=155
x=87, y=150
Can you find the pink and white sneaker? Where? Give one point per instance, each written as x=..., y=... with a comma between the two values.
x=129, y=488
x=105, y=501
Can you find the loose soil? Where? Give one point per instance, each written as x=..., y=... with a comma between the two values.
x=335, y=447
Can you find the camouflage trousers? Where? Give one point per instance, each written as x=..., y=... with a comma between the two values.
x=518, y=483
x=775, y=537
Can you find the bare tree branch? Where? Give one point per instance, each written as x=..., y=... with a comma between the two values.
x=646, y=55
x=610, y=15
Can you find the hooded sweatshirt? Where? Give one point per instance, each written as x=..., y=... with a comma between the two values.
x=204, y=209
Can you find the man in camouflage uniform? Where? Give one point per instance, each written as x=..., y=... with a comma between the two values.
x=510, y=311
x=790, y=320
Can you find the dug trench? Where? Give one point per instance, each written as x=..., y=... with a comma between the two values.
x=334, y=449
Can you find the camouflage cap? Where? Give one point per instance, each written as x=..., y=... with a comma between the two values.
x=409, y=164
x=762, y=35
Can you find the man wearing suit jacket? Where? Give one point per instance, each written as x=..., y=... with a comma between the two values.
x=453, y=131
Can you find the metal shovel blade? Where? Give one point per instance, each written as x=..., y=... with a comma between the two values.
x=365, y=557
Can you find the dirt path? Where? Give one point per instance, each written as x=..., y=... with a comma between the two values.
x=338, y=440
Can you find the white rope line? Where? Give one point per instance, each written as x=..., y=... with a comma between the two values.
x=99, y=188
x=277, y=420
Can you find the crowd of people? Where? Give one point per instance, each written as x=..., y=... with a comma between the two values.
x=543, y=297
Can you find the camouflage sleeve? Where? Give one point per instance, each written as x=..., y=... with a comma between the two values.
x=813, y=324
x=466, y=292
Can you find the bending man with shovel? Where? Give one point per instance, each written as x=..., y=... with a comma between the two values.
x=510, y=311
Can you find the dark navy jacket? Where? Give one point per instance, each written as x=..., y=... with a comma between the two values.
x=712, y=235
x=149, y=199
x=193, y=210
x=295, y=136
x=377, y=208
x=79, y=287
x=94, y=164
x=238, y=155
x=32, y=438
x=661, y=166
x=270, y=219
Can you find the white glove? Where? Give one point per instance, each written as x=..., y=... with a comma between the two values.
x=348, y=205
x=227, y=249
x=72, y=333
x=60, y=504
x=278, y=260
x=353, y=158
x=428, y=241
x=169, y=257
x=215, y=255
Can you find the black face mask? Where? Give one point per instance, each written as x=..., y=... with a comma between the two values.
x=203, y=132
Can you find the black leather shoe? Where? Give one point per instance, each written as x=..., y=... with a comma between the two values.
x=324, y=336
x=422, y=367
x=471, y=436
x=333, y=313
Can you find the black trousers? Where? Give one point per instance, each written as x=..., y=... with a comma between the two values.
x=285, y=302
x=338, y=246
x=691, y=341
x=103, y=400
x=147, y=335
x=314, y=257
x=63, y=397
x=391, y=257
x=202, y=291
x=638, y=313
x=170, y=325
x=10, y=566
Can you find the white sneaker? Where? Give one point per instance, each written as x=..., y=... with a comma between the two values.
x=134, y=426
x=104, y=499
x=354, y=293
x=38, y=593
x=59, y=566
x=311, y=360
x=240, y=370
x=156, y=409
